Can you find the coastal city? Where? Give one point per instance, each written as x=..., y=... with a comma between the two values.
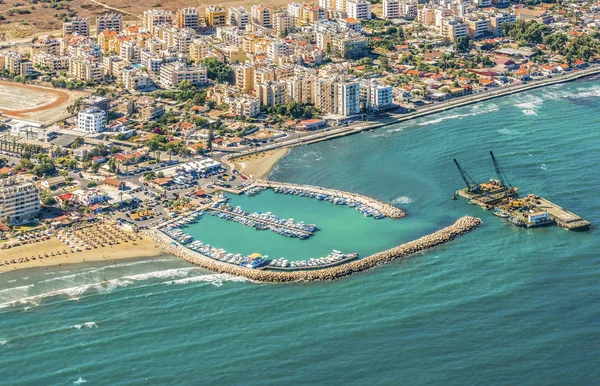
x=122, y=129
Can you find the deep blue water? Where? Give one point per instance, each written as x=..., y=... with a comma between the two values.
x=500, y=305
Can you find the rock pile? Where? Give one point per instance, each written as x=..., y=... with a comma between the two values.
x=461, y=226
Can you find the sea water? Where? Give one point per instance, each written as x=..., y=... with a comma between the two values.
x=499, y=305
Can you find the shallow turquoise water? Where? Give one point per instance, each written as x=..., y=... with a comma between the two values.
x=340, y=227
x=500, y=305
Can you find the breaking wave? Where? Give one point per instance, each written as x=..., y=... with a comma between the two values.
x=22, y=296
x=475, y=111
x=402, y=200
x=216, y=279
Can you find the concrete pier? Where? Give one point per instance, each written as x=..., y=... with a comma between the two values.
x=460, y=227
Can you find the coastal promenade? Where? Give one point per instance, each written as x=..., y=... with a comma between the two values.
x=383, y=208
x=460, y=227
x=437, y=107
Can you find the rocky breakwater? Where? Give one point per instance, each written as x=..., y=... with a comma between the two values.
x=383, y=208
x=461, y=226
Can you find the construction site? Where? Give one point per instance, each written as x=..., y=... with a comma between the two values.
x=499, y=196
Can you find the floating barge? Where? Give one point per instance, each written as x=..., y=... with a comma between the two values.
x=503, y=199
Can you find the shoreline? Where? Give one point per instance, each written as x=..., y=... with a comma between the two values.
x=395, y=118
x=462, y=226
x=144, y=248
x=259, y=165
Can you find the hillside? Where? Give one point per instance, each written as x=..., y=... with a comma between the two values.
x=24, y=18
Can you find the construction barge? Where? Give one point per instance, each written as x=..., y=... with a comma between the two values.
x=530, y=211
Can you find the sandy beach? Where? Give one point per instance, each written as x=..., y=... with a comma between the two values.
x=259, y=165
x=145, y=247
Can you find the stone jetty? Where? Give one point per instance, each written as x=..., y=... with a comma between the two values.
x=383, y=208
x=461, y=226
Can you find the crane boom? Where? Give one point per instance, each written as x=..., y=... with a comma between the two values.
x=472, y=186
x=499, y=172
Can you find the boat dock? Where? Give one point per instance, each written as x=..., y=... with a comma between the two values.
x=309, y=267
x=562, y=217
x=262, y=221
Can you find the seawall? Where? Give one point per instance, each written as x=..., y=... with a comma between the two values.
x=385, y=209
x=460, y=227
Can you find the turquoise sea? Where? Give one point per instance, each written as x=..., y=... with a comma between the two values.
x=499, y=305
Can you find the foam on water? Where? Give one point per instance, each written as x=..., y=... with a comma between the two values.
x=79, y=381
x=91, y=324
x=475, y=111
x=3, y=342
x=402, y=200
x=216, y=279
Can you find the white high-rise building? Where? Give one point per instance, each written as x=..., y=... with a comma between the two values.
x=109, y=22
x=348, y=98
x=91, y=120
x=19, y=200
x=391, y=9
x=238, y=17
x=358, y=9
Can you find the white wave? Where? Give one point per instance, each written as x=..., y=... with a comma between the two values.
x=402, y=200
x=529, y=104
x=475, y=110
x=77, y=326
x=3, y=342
x=216, y=279
x=79, y=381
x=543, y=167
x=91, y=325
x=165, y=274
x=12, y=281
x=106, y=286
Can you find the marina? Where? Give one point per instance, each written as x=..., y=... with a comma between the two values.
x=244, y=267
x=253, y=260
x=530, y=211
x=263, y=221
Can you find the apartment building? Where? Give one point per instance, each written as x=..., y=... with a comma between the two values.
x=51, y=62
x=478, y=27
x=499, y=18
x=409, y=8
x=271, y=93
x=278, y=49
x=358, y=9
x=245, y=106
x=426, y=16
x=283, y=24
x=187, y=18
x=19, y=200
x=47, y=45
x=261, y=15
x=375, y=96
x=172, y=74
x=87, y=69
x=130, y=50
x=136, y=80
x=156, y=17
x=77, y=25
x=244, y=77
x=238, y=17
x=109, y=22
x=454, y=29
x=199, y=49
x=215, y=16
x=391, y=9
x=348, y=98
x=92, y=120
x=15, y=64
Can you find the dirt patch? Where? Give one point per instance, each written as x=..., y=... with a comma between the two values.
x=41, y=104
